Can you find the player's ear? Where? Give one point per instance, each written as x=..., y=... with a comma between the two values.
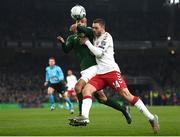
x=103, y=26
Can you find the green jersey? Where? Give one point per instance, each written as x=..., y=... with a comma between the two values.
x=83, y=54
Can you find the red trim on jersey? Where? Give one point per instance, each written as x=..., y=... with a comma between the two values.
x=135, y=99
x=85, y=97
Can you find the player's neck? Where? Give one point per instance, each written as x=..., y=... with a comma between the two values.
x=102, y=33
x=52, y=66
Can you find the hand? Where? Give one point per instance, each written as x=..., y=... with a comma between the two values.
x=45, y=83
x=73, y=28
x=83, y=40
x=55, y=78
x=60, y=39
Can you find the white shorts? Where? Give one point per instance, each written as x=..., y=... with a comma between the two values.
x=88, y=73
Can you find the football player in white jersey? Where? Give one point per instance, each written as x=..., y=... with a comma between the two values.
x=71, y=82
x=88, y=67
x=108, y=75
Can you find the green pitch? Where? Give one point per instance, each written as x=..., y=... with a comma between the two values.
x=104, y=121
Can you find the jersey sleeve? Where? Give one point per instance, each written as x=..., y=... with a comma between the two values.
x=60, y=73
x=47, y=76
x=74, y=78
x=101, y=48
x=86, y=30
x=68, y=45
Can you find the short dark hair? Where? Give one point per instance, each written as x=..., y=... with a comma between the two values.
x=100, y=21
x=53, y=58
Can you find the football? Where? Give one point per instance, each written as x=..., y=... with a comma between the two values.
x=78, y=12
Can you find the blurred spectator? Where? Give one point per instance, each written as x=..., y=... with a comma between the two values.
x=22, y=82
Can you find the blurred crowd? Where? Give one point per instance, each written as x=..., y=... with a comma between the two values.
x=22, y=91
x=149, y=27
x=124, y=25
x=161, y=98
x=164, y=69
x=22, y=82
x=22, y=75
x=155, y=97
x=22, y=78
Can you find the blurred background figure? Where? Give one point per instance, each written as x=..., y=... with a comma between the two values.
x=146, y=38
x=71, y=82
x=55, y=82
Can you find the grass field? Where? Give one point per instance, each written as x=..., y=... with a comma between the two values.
x=104, y=121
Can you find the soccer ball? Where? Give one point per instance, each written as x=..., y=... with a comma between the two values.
x=78, y=12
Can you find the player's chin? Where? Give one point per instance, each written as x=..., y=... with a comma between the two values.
x=96, y=34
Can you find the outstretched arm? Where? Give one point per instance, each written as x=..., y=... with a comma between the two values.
x=99, y=49
x=60, y=74
x=66, y=45
x=95, y=50
x=46, y=79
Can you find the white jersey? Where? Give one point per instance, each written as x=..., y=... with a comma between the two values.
x=106, y=62
x=71, y=81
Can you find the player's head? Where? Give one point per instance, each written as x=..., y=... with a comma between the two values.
x=52, y=61
x=69, y=72
x=82, y=22
x=98, y=27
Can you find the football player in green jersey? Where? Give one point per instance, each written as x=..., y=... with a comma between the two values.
x=88, y=67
